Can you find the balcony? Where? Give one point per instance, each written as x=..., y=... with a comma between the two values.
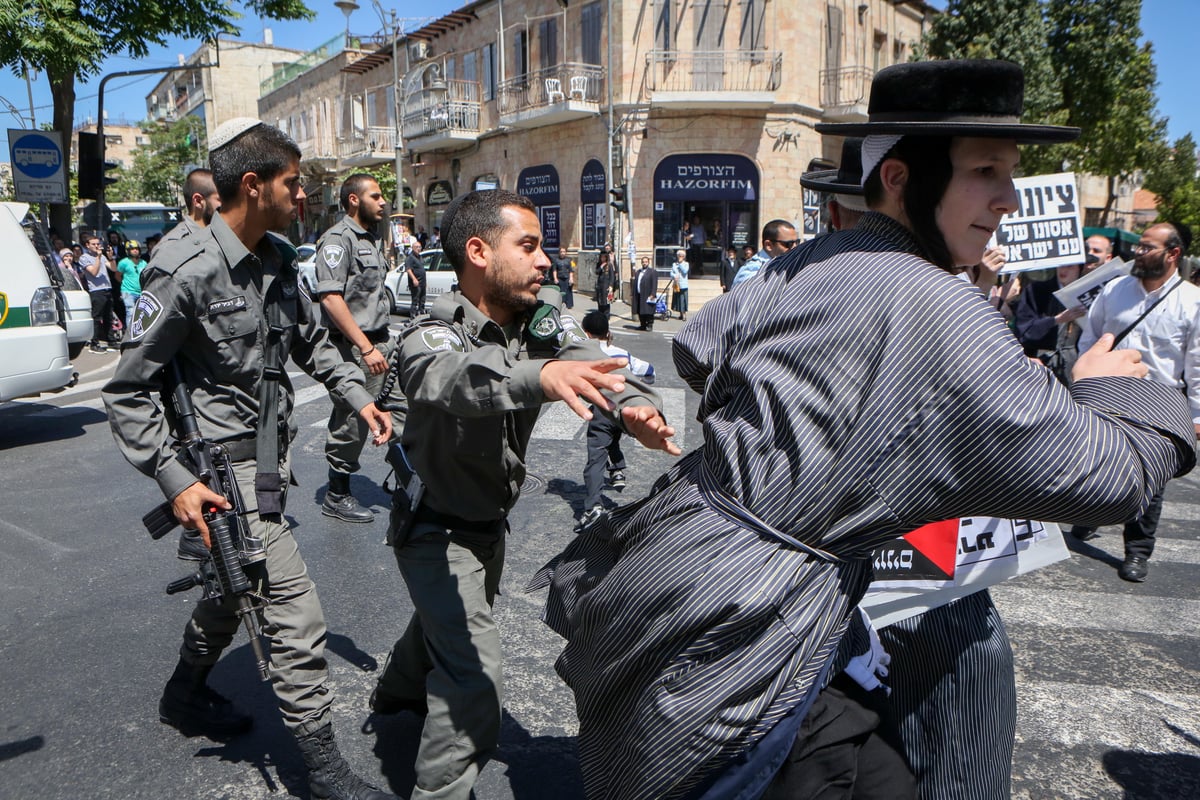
x=844, y=93
x=442, y=117
x=368, y=146
x=549, y=96
x=713, y=78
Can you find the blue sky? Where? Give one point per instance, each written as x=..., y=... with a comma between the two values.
x=1170, y=24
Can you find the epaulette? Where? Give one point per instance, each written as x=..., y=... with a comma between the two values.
x=180, y=252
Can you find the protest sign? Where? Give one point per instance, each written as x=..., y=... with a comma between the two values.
x=1084, y=291
x=1045, y=230
x=941, y=562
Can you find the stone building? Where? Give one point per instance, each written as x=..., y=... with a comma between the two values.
x=703, y=109
x=217, y=94
x=122, y=138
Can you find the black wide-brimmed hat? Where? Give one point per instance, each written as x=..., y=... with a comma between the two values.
x=846, y=179
x=969, y=97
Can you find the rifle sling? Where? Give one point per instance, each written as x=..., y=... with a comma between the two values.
x=268, y=484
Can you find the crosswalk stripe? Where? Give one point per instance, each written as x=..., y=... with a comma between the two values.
x=1088, y=714
x=1169, y=616
x=1167, y=550
x=1184, y=511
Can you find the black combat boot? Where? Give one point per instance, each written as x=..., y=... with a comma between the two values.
x=340, y=504
x=329, y=776
x=189, y=705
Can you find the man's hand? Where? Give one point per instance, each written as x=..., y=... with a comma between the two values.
x=1102, y=361
x=578, y=383
x=984, y=273
x=375, y=361
x=379, y=422
x=649, y=428
x=1070, y=315
x=189, y=506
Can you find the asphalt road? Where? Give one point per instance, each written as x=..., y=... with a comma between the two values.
x=1106, y=670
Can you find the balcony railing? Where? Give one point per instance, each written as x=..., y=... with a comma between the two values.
x=569, y=82
x=371, y=141
x=452, y=110
x=289, y=72
x=848, y=86
x=714, y=70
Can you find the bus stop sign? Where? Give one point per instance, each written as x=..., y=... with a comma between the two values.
x=38, y=166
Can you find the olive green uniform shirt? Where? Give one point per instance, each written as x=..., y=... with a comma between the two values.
x=350, y=263
x=203, y=305
x=474, y=392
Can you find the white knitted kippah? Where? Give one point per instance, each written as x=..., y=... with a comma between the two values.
x=874, y=148
x=228, y=131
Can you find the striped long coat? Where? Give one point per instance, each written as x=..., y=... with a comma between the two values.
x=851, y=392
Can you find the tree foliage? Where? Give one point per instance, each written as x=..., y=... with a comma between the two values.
x=1012, y=30
x=1173, y=177
x=159, y=167
x=1108, y=84
x=69, y=40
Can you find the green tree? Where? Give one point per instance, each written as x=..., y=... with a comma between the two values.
x=68, y=40
x=1108, y=84
x=1173, y=177
x=1013, y=30
x=159, y=166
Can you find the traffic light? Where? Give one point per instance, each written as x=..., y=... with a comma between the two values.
x=92, y=166
x=620, y=199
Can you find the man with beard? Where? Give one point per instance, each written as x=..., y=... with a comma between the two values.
x=355, y=308
x=1157, y=313
x=226, y=311
x=200, y=194
x=476, y=374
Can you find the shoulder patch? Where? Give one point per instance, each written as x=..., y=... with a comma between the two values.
x=146, y=312
x=439, y=338
x=332, y=254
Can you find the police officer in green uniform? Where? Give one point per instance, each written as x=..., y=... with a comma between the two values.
x=227, y=308
x=476, y=374
x=354, y=306
x=202, y=199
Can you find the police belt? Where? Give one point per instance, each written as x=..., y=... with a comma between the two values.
x=427, y=515
x=245, y=449
x=374, y=337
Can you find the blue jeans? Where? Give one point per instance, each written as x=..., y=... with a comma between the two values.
x=130, y=300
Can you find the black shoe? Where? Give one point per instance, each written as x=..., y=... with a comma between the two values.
x=1134, y=569
x=97, y=348
x=590, y=517
x=191, y=707
x=346, y=508
x=191, y=546
x=329, y=776
x=383, y=703
x=616, y=479
x=1084, y=534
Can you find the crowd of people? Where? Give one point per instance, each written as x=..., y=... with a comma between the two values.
x=714, y=643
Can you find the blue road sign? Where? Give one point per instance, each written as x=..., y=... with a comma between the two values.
x=39, y=169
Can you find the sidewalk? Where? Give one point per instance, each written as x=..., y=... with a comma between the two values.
x=622, y=321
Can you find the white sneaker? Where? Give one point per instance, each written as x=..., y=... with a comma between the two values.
x=590, y=517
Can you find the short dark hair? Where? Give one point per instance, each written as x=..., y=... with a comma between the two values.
x=772, y=228
x=1180, y=236
x=595, y=322
x=929, y=172
x=476, y=214
x=264, y=150
x=355, y=185
x=198, y=181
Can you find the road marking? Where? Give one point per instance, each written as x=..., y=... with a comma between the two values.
x=1184, y=511
x=1167, y=550
x=1087, y=714
x=41, y=541
x=1170, y=616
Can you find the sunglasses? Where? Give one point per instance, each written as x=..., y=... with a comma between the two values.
x=786, y=244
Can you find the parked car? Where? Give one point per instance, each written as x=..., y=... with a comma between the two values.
x=74, y=303
x=307, y=264
x=439, y=278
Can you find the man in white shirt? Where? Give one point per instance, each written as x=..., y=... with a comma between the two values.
x=1168, y=338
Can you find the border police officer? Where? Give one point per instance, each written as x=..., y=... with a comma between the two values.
x=228, y=309
x=354, y=306
x=476, y=374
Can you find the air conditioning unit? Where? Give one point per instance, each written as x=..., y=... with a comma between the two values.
x=418, y=51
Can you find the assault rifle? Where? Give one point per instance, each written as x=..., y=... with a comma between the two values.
x=406, y=497
x=222, y=572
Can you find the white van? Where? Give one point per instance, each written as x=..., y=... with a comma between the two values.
x=33, y=343
x=75, y=304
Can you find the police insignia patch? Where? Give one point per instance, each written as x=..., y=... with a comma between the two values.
x=332, y=255
x=288, y=289
x=439, y=339
x=146, y=312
